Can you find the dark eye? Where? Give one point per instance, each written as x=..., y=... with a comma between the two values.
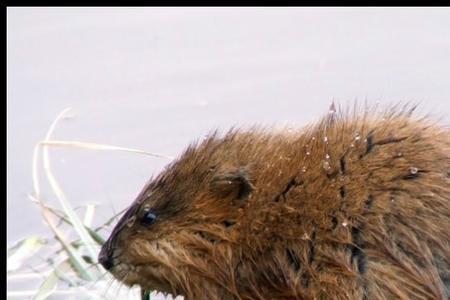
x=148, y=218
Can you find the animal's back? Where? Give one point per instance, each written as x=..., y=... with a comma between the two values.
x=362, y=210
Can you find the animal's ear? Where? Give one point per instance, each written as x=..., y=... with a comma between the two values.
x=232, y=183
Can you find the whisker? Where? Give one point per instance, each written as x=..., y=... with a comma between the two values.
x=118, y=289
x=99, y=279
x=107, y=287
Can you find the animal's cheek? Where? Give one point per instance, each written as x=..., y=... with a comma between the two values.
x=140, y=251
x=145, y=252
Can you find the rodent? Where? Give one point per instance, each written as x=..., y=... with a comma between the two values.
x=352, y=207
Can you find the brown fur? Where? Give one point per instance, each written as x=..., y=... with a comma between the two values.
x=349, y=208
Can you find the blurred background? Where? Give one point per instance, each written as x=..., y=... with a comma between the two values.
x=159, y=78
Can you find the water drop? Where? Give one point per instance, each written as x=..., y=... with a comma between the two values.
x=357, y=137
x=399, y=154
x=413, y=170
x=326, y=165
x=308, y=152
x=325, y=139
x=344, y=223
x=327, y=156
x=304, y=169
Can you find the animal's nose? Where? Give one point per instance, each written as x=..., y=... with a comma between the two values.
x=104, y=258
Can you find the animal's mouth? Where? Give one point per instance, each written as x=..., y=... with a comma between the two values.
x=149, y=277
x=152, y=272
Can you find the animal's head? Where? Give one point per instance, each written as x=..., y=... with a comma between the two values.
x=185, y=226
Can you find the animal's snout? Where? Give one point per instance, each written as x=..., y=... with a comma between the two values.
x=105, y=257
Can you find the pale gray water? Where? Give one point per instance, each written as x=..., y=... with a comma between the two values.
x=158, y=78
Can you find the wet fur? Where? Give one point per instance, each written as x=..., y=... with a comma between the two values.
x=348, y=208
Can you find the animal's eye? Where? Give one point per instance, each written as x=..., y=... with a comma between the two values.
x=148, y=218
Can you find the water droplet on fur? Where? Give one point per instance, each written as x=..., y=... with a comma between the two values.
x=327, y=156
x=357, y=137
x=392, y=199
x=313, y=138
x=344, y=223
x=326, y=165
x=308, y=150
x=325, y=139
x=413, y=170
x=399, y=154
x=352, y=145
x=304, y=169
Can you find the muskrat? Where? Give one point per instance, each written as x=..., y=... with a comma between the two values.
x=353, y=207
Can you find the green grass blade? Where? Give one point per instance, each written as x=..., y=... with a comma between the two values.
x=51, y=282
x=24, y=250
x=77, y=262
x=89, y=243
x=95, y=146
x=89, y=215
